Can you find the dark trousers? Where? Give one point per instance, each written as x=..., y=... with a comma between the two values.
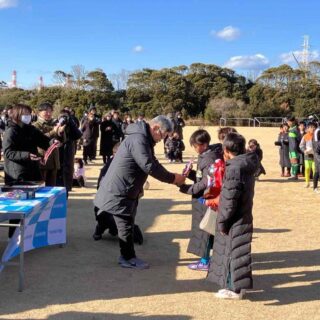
x=79, y=182
x=50, y=177
x=124, y=225
x=105, y=221
x=316, y=174
x=88, y=152
x=94, y=148
x=175, y=155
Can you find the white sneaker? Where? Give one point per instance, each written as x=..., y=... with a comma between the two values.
x=316, y=190
x=228, y=294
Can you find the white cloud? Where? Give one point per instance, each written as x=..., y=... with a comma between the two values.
x=288, y=57
x=138, y=49
x=228, y=33
x=8, y=4
x=254, y=62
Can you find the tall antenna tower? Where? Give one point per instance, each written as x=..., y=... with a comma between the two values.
x=40, y=84
x=305, y=53
x=14, y=79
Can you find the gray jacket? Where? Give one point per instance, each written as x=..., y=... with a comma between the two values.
x=134, y=161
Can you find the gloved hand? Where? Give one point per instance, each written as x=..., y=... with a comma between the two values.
x=201, y=200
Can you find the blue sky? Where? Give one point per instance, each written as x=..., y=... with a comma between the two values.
x=38, y=37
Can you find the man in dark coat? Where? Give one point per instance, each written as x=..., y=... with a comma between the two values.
x=67, y=151
x=117, y=133
x=231, y=261
x=122, y=186
x=107, y=129
x=89, y=138
x=179, y=124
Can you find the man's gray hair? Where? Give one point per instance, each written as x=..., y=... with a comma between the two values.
x=163, y=122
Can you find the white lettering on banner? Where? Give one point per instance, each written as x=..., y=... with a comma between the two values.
x=56, y=231
x=40, y=234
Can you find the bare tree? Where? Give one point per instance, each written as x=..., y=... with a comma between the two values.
x=120, y=80
x=79, y=75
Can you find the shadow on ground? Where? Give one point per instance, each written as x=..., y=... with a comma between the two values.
x=285, y=287
x=103, y=316
x=86, y=270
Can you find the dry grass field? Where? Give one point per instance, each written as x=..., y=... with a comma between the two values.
x=83, y=280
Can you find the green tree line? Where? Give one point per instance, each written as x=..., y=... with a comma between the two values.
x=198, y=90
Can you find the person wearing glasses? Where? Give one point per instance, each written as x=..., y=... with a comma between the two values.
x=122, y=186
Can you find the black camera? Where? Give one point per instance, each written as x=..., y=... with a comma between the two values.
x=63, y=120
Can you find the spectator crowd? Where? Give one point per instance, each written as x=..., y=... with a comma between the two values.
x=38, y=147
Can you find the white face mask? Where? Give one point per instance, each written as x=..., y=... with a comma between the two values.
x=3, y=118
x=26, y=118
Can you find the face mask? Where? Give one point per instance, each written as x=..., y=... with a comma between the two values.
x=26, y=118
x=3, y=118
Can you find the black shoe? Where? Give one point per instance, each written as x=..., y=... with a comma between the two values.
x=97, y=237
x=113, y=233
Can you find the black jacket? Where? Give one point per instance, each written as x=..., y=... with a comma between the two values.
x=179, y=127
x=107, y=129
x=96, y=124
x=88, y=131
x=18, y=142
x=200, y=176
x=173, y=144
x=117, y=134
x=199, y=239
x=232, y=252
x=133, y=162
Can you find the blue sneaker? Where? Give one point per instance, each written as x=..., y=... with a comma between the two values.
x=134, y=263
x=199, y=266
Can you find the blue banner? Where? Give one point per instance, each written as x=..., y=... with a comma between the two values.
x=45, y=221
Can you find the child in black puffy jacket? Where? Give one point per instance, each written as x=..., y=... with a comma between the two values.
x=174, y=148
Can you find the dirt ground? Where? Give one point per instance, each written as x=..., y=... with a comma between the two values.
x=83, y=280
